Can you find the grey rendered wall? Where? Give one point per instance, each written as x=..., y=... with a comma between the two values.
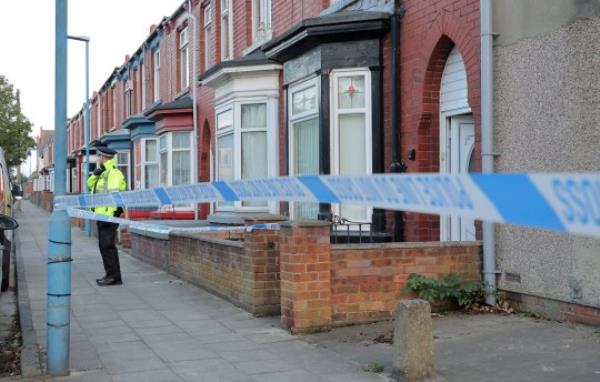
x=547, y=118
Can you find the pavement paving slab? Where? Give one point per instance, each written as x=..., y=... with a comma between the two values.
x=155, y=327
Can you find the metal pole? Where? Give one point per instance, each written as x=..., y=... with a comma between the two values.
x=88, y=223
x=59, y=231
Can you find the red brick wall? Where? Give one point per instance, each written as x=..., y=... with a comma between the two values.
x=245, y=273
x=286, y=14
x=428, y=32
x=28, y=188
x=554, y=309
x=305, y=276
x=46, y=200
x=150, y=250
x=367, y=280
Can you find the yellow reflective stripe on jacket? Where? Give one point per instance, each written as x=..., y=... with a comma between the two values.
x=111, y=180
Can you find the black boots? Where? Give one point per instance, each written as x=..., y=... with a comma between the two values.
x=109, y=280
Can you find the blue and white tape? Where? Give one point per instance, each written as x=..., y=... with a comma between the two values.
x=165, y=229
x=560, y=202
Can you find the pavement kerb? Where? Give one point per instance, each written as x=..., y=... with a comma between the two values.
x=31, y=365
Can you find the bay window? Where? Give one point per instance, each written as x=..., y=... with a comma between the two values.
x=181, y=159
x=304, y=140
x=244, y=130
x=184, y=58
x=123, y=165
x=150, y=163
x=351, y=132
x=164, y=160
x=225, y=149
x=175, y=159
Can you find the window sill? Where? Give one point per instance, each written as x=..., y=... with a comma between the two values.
x=257, y=44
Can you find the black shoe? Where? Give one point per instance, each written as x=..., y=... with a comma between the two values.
x=102, y=278
x=109, y=280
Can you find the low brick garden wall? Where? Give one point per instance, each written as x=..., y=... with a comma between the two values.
x=297, y=273
x=326, y=285
x=153, y=250
x=242, y=268
x=367, y=279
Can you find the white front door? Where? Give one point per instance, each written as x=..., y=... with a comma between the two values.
x=458, y=158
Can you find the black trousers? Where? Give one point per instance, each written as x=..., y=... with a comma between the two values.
x=107, y=235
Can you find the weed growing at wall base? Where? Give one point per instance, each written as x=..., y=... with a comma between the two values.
x=449, y=289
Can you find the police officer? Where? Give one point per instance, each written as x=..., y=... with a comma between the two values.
x=108, y=178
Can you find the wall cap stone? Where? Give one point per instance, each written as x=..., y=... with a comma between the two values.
x=408, y=245
x=208, y=239
x=264, y=218
x=304, y=223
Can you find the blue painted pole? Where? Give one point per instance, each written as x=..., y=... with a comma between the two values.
x=88, y=223
x=59, y=230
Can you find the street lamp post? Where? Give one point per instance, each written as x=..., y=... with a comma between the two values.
x=87, y=133
x=59, y=230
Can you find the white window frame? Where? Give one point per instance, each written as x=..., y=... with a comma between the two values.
x=128, y=98
x=143, y=74
x=169, y=150
x=165, y=150
x=227, y=13
x=236, y=129
x=184, y=58
x=145, y=162
x=156, y=78
x=208, y=18
x=301, y=117
x=128, y=172
x=261, y=21
x=334, y=129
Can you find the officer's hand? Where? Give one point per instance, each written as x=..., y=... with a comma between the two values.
x=118, y=212
x=99, y=170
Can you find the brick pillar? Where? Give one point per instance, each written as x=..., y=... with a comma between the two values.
x=305, y=276
x=261, y=294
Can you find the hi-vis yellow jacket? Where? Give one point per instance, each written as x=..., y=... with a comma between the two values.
x=110, y=180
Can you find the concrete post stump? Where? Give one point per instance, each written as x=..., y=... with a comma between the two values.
x=413, y=341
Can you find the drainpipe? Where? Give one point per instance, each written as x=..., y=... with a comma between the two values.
x=397, y=166
x=193, y=85
x=487, y=142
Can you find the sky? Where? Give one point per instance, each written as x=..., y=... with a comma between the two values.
x=115, y=27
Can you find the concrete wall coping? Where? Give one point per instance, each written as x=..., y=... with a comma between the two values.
x=174, y=224
x=304, y=223
x=407, y=245
x=208, y=239
x=150, y=234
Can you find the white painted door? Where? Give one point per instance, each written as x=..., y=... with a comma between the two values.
x=460, y=147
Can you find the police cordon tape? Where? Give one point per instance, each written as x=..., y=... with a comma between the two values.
x=162, y=228
x=562, y=202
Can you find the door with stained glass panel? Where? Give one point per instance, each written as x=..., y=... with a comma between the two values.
x=303, y=111
x=351, y=133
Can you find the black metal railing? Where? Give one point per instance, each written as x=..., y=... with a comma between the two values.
x=344, y=231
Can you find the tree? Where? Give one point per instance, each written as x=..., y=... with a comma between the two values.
x=14, y=126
